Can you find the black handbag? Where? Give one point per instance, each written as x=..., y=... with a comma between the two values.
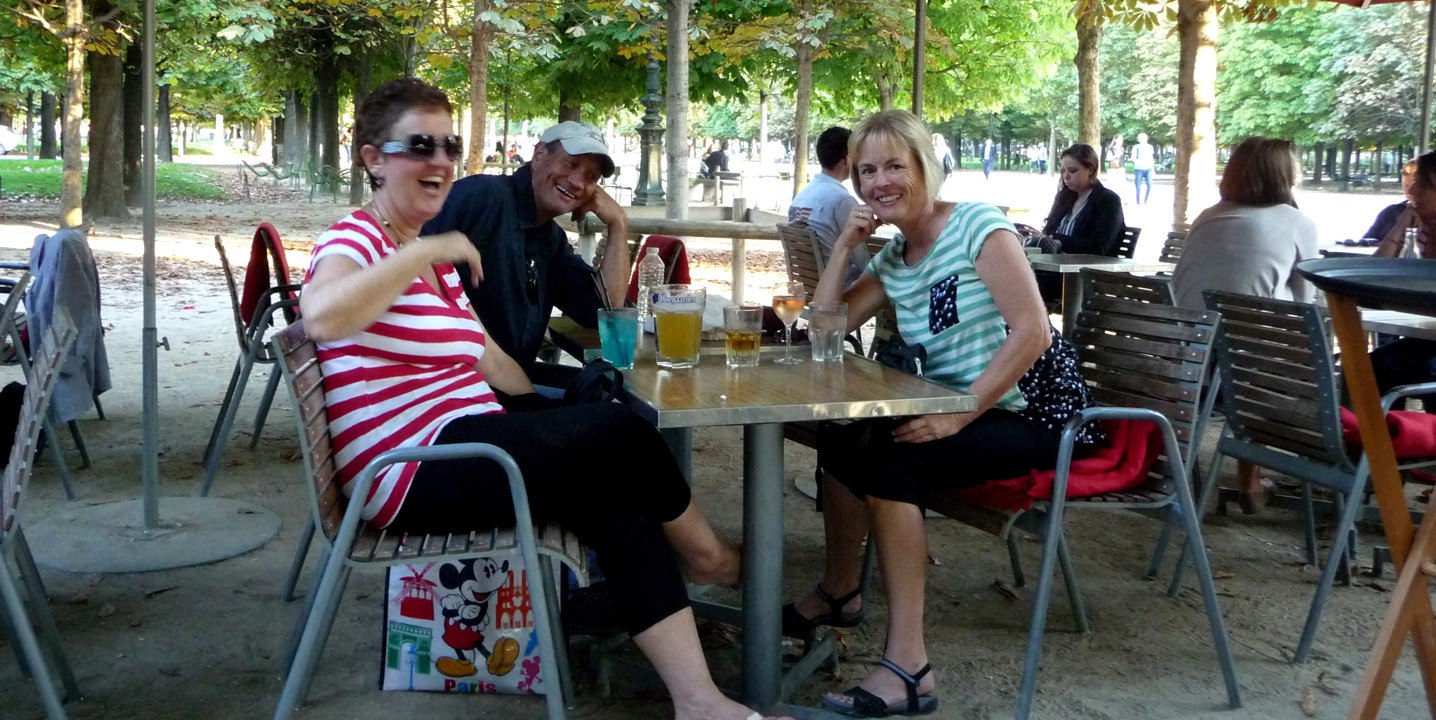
x=899, y=355
x=1055, y=391
x=598, y=381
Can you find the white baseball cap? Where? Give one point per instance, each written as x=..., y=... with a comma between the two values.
x=579, y=138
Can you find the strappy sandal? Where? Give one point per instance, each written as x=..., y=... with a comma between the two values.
x=795, y=624
x=867, y=705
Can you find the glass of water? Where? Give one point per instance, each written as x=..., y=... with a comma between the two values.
x=827, y=325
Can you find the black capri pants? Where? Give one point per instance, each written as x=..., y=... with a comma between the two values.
x=997, y=445
x=569, y=456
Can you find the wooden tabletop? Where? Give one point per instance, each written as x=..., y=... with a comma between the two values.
x=1072, y=262
x=714, y=394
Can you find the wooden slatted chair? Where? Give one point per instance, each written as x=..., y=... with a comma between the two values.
x=802, y=255
x=1142, y=361
x=885, y=328
x=10, y=333
x=349, y=542
x=1280, y=396
x=1127, y=245
x=1172, y=248
x=14, y=551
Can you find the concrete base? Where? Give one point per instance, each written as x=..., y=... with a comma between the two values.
x=110, y=537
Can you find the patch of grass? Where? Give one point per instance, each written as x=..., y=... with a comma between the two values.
x=41, y=178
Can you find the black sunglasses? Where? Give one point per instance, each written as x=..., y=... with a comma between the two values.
x=421, y=146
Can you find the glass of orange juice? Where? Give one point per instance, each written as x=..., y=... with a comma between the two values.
x=678, y=323
x=789, y=299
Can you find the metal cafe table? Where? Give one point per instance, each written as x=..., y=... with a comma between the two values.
x=761, y=399
x=1070, y=265
x=1385, y=284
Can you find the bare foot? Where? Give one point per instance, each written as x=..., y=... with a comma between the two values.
x=720, y=708
x=722, y=566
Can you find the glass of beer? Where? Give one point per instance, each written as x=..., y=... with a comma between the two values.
x=678, y=323
x=789, y=299
x=743, y=325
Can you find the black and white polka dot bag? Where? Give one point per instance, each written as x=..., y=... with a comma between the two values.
x=1055, y=391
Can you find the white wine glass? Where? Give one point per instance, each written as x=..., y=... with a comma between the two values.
x=789, y=299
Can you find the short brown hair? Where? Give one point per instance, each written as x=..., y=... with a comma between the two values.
x=1261, y=172
x=383, y=107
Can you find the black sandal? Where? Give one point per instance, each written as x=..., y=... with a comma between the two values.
x=797, y=626
x=867, y=705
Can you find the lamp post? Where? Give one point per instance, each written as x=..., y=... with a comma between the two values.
x=650, y=177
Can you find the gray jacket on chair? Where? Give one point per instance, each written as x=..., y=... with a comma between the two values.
x=65, y=280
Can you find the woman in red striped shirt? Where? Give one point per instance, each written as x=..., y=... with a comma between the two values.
x=406, y=363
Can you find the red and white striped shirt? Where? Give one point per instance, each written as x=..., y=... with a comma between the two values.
x=397, y=382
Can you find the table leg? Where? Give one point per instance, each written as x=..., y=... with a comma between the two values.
x=680, y=443
x=762, y=564
x=1408, y=607
x=1071, y=302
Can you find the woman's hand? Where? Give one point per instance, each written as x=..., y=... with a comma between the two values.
x=926, y=428
x=454, y=247
x=860, y=225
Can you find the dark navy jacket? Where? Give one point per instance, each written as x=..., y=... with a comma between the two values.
x=529, y=266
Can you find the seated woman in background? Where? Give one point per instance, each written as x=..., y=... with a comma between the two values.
x=1392, y=222
x=406, y=363
x=1250, y=243
x=1410, y=360
x=1086, y=217
x=949, y=256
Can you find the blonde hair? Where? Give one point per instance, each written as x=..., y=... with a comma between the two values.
x=904, y=129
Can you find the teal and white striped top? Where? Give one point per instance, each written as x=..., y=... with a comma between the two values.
x=943, y=305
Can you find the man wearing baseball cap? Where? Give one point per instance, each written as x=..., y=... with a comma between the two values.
x=529, y=266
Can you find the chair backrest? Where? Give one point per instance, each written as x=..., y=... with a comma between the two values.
x=299, y=361
x=1172, y=248
x=39, y=388
x=675, y=261
x=885, y=328
x=1146, y=355
x=268, y=268
x=1279, y=386
x=800, y=251
x=1127, y=244
x=1142, y=288
x=239, y=321
x=12, y=346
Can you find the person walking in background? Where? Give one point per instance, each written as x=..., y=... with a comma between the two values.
x=989, y=158
x=1142, y=164
x=944, y=154
x=1116, y=159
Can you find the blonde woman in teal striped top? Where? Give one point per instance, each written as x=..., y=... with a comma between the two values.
x=962, y=288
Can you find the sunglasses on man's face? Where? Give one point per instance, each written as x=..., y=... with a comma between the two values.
x=420, y=146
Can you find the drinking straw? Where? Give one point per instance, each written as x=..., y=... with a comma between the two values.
x=602, y=290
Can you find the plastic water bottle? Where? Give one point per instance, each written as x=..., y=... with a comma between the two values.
x=1409, y=249
x=651, y=273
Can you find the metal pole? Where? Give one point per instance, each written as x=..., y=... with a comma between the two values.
x=150, y=460
x=919, y=55
x=1425, y=134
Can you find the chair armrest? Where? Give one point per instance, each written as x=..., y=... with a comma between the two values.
x=1405, y=391
x=264, y=315
x=1068, y=445
x=523, y=521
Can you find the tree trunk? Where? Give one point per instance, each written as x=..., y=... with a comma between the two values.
x=800, y=116
x=482, y=33
x=1317, y=153
x=71, y=199
x=327, y=110
x=1196, y=169
x=47, y=125
x=132, y=126
x=886, y=91
x=763, y=127
x=164, y=144
x=1346, y=159
x=104, y=180
x=676, y=99
x=362, y=80
x=1089, y=73
x=568, y=106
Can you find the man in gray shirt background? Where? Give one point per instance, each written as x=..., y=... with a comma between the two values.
x=824, y=205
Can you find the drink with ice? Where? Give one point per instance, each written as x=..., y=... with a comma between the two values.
x=618, y=335
x=678, y=323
